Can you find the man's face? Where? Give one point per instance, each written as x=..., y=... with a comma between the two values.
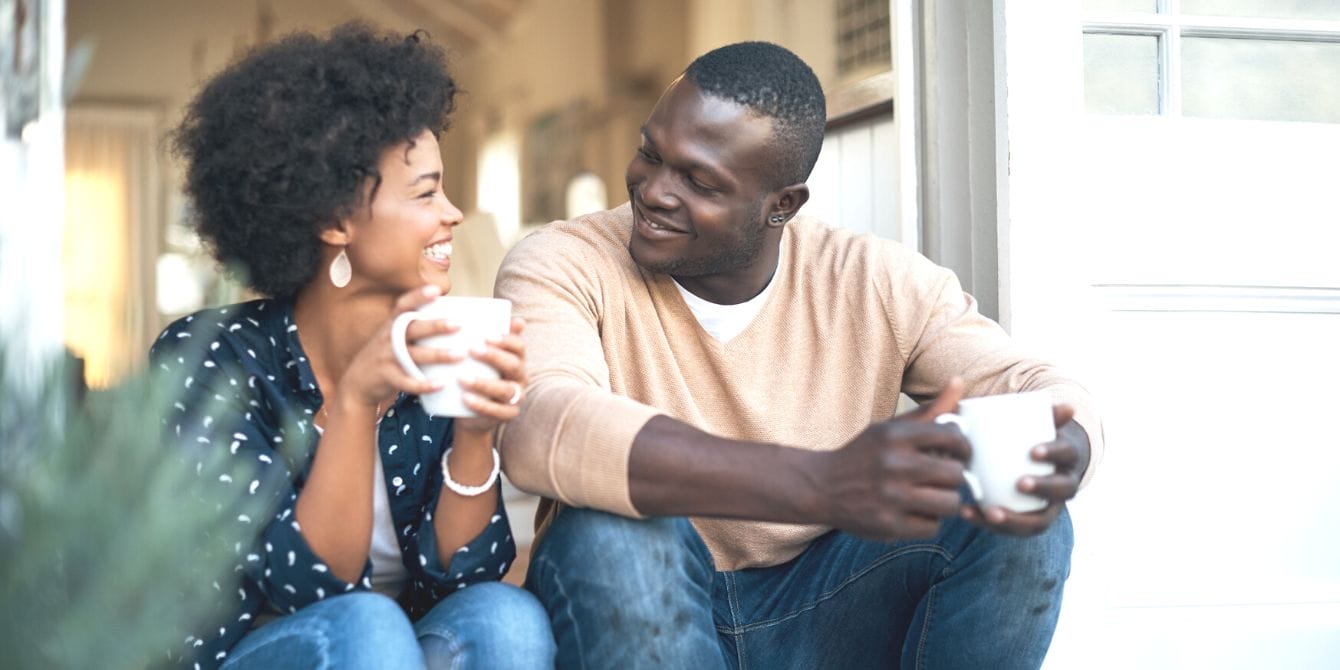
x=697, y=186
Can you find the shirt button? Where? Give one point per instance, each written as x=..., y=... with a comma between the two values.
x=397, y=481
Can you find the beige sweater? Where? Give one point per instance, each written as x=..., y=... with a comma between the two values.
x=850, y=321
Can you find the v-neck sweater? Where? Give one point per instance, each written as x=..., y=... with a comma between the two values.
x=851, y=321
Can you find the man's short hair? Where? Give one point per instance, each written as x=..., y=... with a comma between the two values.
x=773, y=82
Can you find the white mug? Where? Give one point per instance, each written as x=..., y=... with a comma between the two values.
x=479, y=319
x=1003, y=429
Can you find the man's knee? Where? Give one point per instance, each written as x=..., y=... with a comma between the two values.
x=594, y=541
x=1038, y=563
x=588, y=558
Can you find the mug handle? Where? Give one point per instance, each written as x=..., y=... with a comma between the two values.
x=400, y=349
x=974, y=484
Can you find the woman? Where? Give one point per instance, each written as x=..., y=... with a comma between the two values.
x=314, y=166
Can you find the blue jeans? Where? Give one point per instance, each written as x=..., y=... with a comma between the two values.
x=624, y=593
x=487, y=625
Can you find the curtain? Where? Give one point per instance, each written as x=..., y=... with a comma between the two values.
x=113, y=212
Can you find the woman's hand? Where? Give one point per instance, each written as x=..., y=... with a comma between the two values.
x=374, y=374
x=496, y=400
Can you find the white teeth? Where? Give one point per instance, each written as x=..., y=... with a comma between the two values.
x=439, y=251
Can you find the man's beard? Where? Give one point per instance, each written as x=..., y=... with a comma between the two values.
x=730, y=259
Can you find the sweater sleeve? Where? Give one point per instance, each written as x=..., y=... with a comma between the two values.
x=942, y=334
x=573, y=437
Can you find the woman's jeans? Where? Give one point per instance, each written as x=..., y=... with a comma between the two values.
x=487, y=625
x=625, y=593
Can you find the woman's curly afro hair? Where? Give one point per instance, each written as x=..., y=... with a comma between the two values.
x=279, y=144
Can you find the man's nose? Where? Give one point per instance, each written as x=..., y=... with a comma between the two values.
x=658, y=191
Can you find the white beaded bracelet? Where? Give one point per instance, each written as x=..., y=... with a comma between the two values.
x=470, y=491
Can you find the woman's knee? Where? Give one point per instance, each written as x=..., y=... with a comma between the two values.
x=493, y=625
x=366, y=623
x=353, y=630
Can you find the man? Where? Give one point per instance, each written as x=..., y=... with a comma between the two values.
x=712, y=381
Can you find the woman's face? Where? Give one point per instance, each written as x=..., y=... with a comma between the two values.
x=403, y=240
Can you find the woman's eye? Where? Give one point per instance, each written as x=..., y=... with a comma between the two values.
x=428, y=195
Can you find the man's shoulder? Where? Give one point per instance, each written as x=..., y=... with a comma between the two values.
x=815, y=241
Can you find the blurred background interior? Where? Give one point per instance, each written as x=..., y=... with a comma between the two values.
x=1142, y=189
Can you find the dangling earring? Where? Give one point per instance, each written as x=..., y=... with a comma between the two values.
x=340, y=270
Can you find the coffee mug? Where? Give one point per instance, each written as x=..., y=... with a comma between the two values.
x=479, y=319
x=1003, y=429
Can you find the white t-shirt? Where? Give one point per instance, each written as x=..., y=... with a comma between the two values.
x=724, y=322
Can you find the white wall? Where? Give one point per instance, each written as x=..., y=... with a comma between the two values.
x=31, y=179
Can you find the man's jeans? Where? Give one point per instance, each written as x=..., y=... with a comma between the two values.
x=624, y=593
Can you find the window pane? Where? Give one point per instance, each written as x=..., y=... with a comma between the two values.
x=1121, y=74
x=1120, y=5
x=1261, y=79
x=1266, y=9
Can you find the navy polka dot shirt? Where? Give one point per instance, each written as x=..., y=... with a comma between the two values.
x=247, y=388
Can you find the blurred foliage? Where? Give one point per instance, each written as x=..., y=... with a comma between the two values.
x=112, y=541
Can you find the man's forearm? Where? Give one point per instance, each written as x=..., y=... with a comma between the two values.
x=676, y=469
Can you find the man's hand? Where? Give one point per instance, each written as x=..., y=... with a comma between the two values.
x=1070, y=453
x=899, y=477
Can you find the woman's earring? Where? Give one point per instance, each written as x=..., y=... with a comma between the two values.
x=340, y=270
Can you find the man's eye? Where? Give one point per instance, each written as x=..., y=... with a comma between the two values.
x=648, y=155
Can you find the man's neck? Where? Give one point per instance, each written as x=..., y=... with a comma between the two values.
x=733, y=288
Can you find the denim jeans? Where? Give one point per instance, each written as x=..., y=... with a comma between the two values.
x=625, y=593
x=487, y=625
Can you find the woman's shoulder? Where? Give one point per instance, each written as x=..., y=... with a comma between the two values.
x=216, y=331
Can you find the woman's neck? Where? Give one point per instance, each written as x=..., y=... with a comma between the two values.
x=334, y=324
